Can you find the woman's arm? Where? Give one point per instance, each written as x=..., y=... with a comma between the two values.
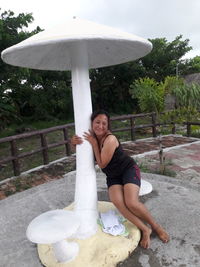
x=103, y=156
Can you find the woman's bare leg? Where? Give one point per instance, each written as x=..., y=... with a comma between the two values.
x=131, y=193
x=117, y=197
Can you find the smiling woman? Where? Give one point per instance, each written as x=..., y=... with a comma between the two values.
x=96, y=137
x=123, y=176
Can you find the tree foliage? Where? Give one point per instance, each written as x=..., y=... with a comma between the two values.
x=26, y=92
x=110, y=87
x=187, y=100
x=185, y=94
x=11, y=32
x=45, y=95
x=171, y=84
x=191, y=65
x=165, y=56
x=7, y=109
x=150, y=94
x=188, y=95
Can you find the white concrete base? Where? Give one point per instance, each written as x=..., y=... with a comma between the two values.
x=99, y=250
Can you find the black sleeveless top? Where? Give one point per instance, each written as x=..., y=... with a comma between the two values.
x=119, y=162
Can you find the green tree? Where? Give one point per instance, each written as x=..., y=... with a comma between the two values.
x=32, y=93
x=7, y=109
x=165, y=56
x=171, y=83
x=11, y=32
x=110, y=87
x=47, y=94
x=191, y=65
x=150, y=94
x=188, y=95
x=187, y=100
x=52, y=97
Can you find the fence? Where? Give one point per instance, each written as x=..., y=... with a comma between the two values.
x=15, y=156
x=44, y=146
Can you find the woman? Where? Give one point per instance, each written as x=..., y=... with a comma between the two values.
x=123, y=176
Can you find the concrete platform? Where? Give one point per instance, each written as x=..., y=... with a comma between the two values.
x=173, y=202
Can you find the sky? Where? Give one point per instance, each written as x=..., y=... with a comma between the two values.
x=145, y=18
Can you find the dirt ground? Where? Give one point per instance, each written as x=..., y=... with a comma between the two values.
x=145, y=145
x=56, y=171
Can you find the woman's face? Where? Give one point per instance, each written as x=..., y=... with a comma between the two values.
x=100, y=125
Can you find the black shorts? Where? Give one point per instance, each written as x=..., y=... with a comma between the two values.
x=130, y=175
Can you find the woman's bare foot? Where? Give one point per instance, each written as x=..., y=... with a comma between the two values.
x=162, y=234
x=145, y=240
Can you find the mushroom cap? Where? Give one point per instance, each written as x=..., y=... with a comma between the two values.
x=52, y=226
x=51, y=49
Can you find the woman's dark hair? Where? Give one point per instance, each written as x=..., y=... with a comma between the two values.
x=101, y=112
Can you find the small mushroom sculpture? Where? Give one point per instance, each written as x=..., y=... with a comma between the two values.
x=53, y=227
x=78, y=46
x=145, y=188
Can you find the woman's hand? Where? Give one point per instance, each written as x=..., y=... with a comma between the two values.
x=89, y=136
x=76, y=140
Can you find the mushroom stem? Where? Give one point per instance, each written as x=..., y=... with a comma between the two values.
x=85, y=190
x=65, y=251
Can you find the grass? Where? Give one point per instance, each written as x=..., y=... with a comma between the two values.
x=166, y=172
x=195, y=131
x=149, y=165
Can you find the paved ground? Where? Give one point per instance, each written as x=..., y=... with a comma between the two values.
x=183, y=160
x=174, y=202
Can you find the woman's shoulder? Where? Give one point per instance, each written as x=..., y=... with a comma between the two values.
x=111, y=139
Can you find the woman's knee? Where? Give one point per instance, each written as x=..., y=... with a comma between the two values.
x=132, y=204
x=118, y=203
x=116, y=195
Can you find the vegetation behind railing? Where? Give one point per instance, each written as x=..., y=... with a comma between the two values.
x=67, y=130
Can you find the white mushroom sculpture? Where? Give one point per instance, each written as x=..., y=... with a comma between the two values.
x=78, y=46
x=145, y=188
x=53, y=227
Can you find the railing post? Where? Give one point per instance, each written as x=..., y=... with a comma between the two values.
x=173, y=128
x=15, y=161
x=132, y=129
x=44, y=149
x=188, y=129
x=153, y=119
x=66, y=138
